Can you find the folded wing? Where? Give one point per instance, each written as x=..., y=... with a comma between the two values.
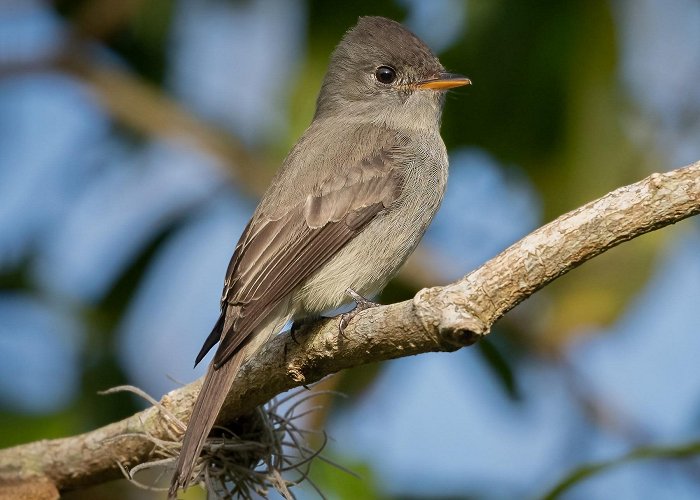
x=275, y=255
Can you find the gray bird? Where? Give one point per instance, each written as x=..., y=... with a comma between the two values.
x=350, y=203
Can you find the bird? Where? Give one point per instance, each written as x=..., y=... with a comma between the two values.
x=348, y=206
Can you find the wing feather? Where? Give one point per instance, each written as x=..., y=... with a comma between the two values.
x=277, y=255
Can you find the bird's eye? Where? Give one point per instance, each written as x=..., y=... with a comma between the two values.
x=385, y=74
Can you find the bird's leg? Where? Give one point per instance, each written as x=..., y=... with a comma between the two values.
x=361, y=304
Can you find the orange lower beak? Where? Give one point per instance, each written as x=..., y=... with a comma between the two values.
x=444, y=82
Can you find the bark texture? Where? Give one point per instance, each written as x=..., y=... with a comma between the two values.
x=436, y=319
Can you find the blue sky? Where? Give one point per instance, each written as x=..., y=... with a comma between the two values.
x=80, y=204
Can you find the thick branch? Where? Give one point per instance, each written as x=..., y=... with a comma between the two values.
x=437, y=319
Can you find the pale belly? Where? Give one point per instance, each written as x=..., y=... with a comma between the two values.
x=368, y=262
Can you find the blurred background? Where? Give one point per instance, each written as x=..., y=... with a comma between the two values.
x=137, y=135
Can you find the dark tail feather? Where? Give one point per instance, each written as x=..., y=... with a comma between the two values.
x=209, y=402
x=212, y=339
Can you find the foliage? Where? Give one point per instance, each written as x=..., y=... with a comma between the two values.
x=549, y=106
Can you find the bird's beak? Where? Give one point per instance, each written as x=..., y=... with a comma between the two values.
x=444, y=81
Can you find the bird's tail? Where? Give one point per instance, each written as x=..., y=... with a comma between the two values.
x=209, y=402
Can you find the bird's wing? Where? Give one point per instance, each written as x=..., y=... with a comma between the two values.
x=275, y=255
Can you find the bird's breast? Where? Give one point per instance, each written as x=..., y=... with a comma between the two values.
x=375, y=255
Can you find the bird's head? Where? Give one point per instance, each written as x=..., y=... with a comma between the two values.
x=381, y=72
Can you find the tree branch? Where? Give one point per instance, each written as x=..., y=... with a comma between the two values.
x=437, y=319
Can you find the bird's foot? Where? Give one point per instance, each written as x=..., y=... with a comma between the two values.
x=361, y=304
x=299, y=325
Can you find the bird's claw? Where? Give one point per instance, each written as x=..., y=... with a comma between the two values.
x=361, y=304
x=298, y=325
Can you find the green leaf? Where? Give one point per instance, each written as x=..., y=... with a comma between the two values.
x=647, y=452
x=336, y=483
x=500, y=365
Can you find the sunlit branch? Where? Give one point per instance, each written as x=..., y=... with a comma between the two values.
x=436, y=319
